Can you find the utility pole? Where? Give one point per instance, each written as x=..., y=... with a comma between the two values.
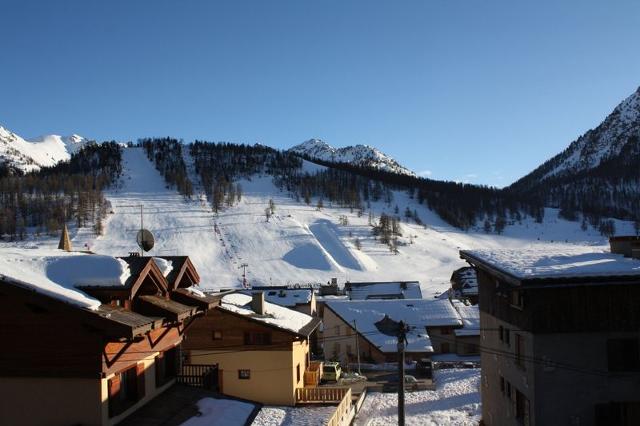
x=402, y=340
x=357, y=346
x=244, y=267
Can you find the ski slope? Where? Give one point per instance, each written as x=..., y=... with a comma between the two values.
x=299, y=243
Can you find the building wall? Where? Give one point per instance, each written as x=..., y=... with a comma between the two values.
x=467, y=345
x=443, y=340
x=50, y=401
x=339, y=340
x=587, y=387
x=498, y=360
x=272, y=373
x=151, y=391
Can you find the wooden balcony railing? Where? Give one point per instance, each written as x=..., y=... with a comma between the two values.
x=321, y=395
x=344, y=413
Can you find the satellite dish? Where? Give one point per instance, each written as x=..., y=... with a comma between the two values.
x=145, y=239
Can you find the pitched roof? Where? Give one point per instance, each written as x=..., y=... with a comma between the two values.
x=289, y=297
x=276, y=316
x=470, y=316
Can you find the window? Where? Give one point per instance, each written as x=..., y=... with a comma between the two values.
x=216, y=335
x=166, y=364
x=336, y=348
x=507, y=389
x=522, y=408
x=244, y=374
x=502, y=385
x=507, y=336
x=125, y=389
x=623, y=355
x=349, y=349
x=520, y=350
x=337, y=330
x=517, y=299
x=257, y=338
x=298, y=373
x=501, y=333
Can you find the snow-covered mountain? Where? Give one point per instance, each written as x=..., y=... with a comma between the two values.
x=358, y=155
x=613, y=137
x=44, y=151
x=599, y=172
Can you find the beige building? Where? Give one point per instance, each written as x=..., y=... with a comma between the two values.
x=432, y=329
x=261, y=349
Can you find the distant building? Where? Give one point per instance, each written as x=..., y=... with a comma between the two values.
x=433, y=323
x=69, y=358
x=296, y=298
x=559, y=336
x=464, y=285
x=261, y=349
x=467, y=337
x=383, y=290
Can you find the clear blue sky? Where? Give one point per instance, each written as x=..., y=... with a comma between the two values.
x=472, y=90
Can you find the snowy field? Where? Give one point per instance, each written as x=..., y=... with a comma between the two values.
x=456, y=401
x=299, y=244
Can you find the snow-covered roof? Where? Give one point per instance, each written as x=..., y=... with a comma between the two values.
x=288, y=296
x=57, y=273
x=470, y=315
x=567, y=262
x=417, y=313
x=275, y=315
x=384, y=290
x=467, y=280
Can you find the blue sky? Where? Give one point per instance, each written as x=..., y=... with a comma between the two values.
x=482, y=91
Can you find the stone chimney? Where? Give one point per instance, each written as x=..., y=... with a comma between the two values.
x=628, y=246
x=257, y=302
x=65, y=241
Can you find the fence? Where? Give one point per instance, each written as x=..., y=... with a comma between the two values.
x=344, y=412
x=321, y=395
x=199, y=376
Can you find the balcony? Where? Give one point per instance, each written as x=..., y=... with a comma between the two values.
x=321, y=395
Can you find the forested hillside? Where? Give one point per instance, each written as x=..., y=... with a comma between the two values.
x=42, y=201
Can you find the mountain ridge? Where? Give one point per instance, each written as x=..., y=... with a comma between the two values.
x=358, y=155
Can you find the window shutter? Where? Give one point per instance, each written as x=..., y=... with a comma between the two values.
x=159, y=364
x=140, y=381
x=113, y=388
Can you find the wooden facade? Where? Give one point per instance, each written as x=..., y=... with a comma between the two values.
x=121, y=353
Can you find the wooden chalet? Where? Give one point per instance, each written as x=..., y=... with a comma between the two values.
x=66, y=364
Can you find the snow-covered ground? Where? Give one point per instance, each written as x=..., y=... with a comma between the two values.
x=227, y=412
x=299, y=244
x=298, y=416
x=456, y=401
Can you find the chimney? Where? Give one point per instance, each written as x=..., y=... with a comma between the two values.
x=65, y=241
x=628, y=246
x=257, y=302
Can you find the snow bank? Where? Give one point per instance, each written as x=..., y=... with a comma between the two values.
x=165, y=266
x=279, y=316
x=228, y=412
x=294, y=416
x=56, y=273
x=564, y=262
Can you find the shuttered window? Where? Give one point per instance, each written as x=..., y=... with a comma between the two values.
x=125, y=389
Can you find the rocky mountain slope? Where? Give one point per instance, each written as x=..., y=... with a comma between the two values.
x=599, y=173
x=357, y=155
x=45, y=151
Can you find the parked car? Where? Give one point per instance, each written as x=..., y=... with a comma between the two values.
x=331, y=371
x=408, y=379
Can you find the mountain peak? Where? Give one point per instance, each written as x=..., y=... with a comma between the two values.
x=359, y=155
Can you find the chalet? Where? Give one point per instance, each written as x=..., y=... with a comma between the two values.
x=261, y=349
x=559, y=336
x=96, y=355
x=432, y=325
x=464, y=285
x=296, y=298
x=383, y=290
